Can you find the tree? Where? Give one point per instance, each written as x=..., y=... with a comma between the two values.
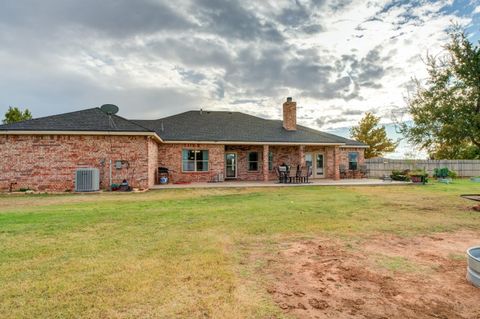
x=14, y=114
x=446, y=108
x=369, y=132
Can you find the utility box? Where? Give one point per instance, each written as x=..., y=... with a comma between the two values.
x=87, y=180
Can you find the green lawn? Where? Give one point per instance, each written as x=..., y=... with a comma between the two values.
x=187, y=253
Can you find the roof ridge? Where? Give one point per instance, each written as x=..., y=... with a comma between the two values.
x=206, y=111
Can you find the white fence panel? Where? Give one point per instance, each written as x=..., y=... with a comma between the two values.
x=379, y=167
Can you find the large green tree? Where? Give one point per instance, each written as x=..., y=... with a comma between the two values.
x=14, y=114
x=374, y=135
x=446, y=108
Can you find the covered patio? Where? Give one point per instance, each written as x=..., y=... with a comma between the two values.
x=262, y=162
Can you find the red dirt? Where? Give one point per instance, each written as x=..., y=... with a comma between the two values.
x=324, y=279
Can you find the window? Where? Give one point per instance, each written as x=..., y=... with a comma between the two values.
x=353, y=161
x=270, y=161
x=194, y=161
x=253, y=161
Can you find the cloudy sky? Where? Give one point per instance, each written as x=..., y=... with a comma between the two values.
x=153, y=58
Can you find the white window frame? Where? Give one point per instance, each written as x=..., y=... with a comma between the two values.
x=195, y=161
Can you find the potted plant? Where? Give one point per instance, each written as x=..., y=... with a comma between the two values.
x=402, y=176
x=444, y=175
x=444, y=172
x=418, y=176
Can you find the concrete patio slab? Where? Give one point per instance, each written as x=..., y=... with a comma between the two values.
x=315, y=182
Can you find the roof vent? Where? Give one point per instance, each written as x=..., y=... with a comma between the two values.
x=109, y=109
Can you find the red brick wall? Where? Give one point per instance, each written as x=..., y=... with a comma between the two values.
x=284, y=155
x=243, y=174
x=152, y=161
x=48, y=163
x=170, y=156
x=344, y=155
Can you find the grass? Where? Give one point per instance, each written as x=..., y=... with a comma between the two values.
x=187, y=253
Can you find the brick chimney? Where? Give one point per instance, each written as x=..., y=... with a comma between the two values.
x=290, y=115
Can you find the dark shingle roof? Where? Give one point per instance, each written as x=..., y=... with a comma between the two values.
x=214, y=126
x=85, y=120
x=207, y=126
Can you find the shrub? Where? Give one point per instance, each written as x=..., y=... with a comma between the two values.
x=444, y=172
x=419, y=176
x=400, y=175
x=452, y=174
x=418, y=172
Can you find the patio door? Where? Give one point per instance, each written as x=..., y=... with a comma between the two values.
x=309, y=160
x=317, y=162
x=230, y=165
x=319, y=171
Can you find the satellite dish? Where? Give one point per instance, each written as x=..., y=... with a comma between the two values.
x=109, y=109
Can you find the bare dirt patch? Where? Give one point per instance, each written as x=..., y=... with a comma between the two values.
x=382, y=277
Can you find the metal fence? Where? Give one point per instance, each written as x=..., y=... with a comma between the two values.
x=379, y=167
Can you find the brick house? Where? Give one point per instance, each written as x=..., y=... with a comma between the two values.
x=196, y=146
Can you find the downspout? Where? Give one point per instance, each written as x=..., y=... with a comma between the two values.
x=110, y=175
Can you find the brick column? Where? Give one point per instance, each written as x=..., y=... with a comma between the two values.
x=301, y=155
x=265, y=163
x=336, y=163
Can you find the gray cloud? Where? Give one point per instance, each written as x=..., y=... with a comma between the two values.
x=230, y=19
x=367, y=71
x=323, y=121
x=63, y=92
x=313, y=28
x=245, y=101
x=191, y=76
x=295, y=15
x=157, y=57
x=191, y=51
x=299, y=16
x=352, y=112
x=112, y=18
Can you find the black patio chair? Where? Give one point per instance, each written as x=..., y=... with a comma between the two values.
x=288, y=179
x=298, y=174
x=278, y=173
x=282, y=173
x=364, y=171
x=308, y=174
x=290, y=176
